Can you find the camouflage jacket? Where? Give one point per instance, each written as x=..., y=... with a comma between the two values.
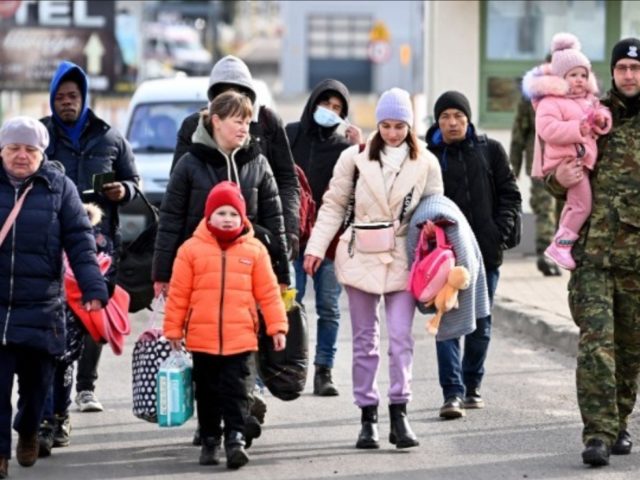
x=523, y=134
x=611, y=237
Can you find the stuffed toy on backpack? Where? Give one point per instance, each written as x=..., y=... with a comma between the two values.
x=447, y=298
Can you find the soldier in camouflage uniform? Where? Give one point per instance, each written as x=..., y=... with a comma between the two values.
x=543, y=205
x=604, y=290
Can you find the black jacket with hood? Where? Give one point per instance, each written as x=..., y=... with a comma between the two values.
x=316, y=149
x=202, y=167
x=478, y=178
x=89, y=147
x=266, y=128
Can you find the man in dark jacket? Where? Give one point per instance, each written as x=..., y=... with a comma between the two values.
x=478, y=178
x=88, y=146
x=231, y=73
x=51, y=219
x=316, y=146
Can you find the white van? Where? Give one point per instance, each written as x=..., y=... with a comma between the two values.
x=156, y=112
x=174, y=48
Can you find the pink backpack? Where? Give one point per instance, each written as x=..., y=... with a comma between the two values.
x=431, y=266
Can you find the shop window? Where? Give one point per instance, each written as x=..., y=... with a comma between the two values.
x=516, y=35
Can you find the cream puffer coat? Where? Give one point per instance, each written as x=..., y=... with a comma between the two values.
x=376, y=273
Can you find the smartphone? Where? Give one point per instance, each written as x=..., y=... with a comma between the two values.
x=100, y=179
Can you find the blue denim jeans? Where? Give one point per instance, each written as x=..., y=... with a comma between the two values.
x=59, y=394
x=457, y=375
x=327, y=291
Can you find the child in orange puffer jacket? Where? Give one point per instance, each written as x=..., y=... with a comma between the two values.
x=218, y=277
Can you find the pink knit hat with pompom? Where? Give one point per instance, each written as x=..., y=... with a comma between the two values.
x=566, y=54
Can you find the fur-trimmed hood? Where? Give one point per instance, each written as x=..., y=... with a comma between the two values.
x=540, y=82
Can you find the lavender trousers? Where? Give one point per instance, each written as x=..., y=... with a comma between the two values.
x=365, y=327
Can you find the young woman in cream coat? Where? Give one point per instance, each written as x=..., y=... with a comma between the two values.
x=394, y=171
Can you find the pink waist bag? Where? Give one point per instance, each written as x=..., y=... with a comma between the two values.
x=433, y=260
x=376, y=237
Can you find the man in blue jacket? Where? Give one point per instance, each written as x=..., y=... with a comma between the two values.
x=86, y=145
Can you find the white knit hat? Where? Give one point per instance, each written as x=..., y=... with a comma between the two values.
x=24, y=131
x=395, y=104
x=566, y=54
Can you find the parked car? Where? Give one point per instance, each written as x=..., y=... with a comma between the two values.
x=155, y=114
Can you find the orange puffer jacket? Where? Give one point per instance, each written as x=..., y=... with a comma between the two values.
x=213, y=294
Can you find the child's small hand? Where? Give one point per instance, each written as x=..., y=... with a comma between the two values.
x=429, y=229
x=93, y=305
x=176, y=344
x=600, y=120
x=585, y=128
x=279, y=341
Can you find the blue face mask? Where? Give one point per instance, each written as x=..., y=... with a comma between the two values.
x=325, y=117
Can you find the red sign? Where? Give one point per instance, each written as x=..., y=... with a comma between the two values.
x=8, y=8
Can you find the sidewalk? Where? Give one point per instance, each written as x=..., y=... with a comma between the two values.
x=533, y=305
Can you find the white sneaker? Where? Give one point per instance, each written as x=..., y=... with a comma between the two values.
x=88, y=402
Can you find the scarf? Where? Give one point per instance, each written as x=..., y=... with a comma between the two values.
x=392, y=159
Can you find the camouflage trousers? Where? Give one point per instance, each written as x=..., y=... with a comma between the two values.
x=605, y=304
x=546, y=209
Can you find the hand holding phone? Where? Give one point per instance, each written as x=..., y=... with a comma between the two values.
x=101, y=179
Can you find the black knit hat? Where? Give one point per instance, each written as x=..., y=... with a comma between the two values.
x=452, y=99
x=626, y=48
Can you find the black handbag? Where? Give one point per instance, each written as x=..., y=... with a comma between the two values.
x=285, y=373
x=134, y=267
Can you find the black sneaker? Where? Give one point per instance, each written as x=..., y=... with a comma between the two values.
x=62, y=431
x=596, y=453
x=45, y=439
x=473, y=399
x=453, y=407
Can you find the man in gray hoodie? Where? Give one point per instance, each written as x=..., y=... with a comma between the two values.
x=231, y=73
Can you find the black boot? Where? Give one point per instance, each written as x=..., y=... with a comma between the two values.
x=210, y=451
x=234, y=447
x=197, y=440
x=401, y=434
x=323, y=383
x=596, y=453
x=623, y=444
x=368, y=437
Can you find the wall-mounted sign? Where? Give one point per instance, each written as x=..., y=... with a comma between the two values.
x=35, y=36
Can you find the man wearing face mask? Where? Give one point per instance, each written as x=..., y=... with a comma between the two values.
x=316, y=146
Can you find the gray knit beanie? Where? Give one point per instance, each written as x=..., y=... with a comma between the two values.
x=24, y=131
x=228, y=72
x=395, y=104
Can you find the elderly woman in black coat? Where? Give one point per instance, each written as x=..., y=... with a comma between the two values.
x=50, y=218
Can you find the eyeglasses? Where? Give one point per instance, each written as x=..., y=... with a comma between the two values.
x=635, y=68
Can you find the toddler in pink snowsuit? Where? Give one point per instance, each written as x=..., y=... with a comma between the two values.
x=569, y=119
